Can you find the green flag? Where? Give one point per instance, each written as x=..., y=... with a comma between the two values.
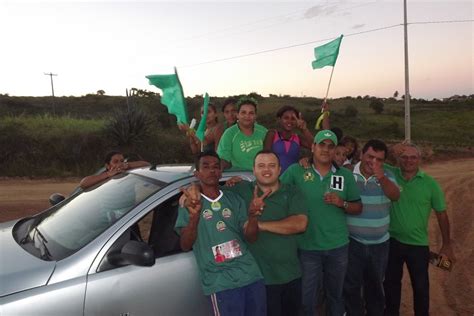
x=202, y=125
x=326, y=55
x=173, y=96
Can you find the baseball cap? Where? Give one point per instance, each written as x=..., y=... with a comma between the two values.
x=325, y=134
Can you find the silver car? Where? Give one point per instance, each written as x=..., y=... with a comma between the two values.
x=107, y=250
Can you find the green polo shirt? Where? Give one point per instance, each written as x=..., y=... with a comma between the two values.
x=409, y=215
x=240, y=149
x=276, y=255
x=327, y=228
x=221, y=225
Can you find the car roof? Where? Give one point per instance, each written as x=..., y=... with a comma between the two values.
x=172, y=173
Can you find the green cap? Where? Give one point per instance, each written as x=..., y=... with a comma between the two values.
x=325, y=134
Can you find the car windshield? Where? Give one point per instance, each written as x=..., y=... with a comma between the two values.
x=87, y=215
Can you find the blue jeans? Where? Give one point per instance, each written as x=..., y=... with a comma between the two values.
x=365, y=274
x=326, y=267
x=249, y=300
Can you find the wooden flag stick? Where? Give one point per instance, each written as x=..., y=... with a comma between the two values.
x=329, y=85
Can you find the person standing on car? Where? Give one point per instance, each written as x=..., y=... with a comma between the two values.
x=241, y=142
x=215, y=221
x=114, y=164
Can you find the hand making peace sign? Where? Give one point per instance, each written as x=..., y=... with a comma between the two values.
x=257, y=204
x=193, y=198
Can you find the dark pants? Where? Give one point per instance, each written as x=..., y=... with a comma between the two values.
x=363, y=286
x=249, y=300
x=416, y=259
x=284, y=299
x=328, y=267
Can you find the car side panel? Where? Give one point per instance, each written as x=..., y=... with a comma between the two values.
x=170, y=287
x=59, y=299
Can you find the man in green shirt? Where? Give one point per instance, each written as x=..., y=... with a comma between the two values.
x=214, y=225
x=419, y=194
x=331, y=192
x=241, y=142
x=284, y=214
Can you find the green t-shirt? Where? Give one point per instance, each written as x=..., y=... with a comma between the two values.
x=220, y=226
x=276, y=255
x=327, y=227
x=409, y=215
x=240, y=149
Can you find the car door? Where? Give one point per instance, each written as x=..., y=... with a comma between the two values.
x=170, y=287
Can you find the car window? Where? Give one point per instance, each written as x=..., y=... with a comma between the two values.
x=155, y=228
x=80, y=220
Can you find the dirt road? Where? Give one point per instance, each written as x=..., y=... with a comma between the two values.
x=452, y=293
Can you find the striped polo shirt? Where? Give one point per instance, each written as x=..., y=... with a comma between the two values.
x=370, y=226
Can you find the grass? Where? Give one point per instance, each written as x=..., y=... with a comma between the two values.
x=46, y=125
x=73, y=142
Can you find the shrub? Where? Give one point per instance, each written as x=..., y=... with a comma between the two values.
x=126, y=128
x=351, y=111
x=377, y=106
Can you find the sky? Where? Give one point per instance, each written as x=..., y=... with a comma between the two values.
x=113, y=45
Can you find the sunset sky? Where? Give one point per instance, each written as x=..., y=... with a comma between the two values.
x=112, y=46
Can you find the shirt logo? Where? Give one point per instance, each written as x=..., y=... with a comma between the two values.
x=215, y=206
x=207, y=214
x=249, y=145
x=226, y=213
x=337, y=183
x=220, y=226
x=308, y=176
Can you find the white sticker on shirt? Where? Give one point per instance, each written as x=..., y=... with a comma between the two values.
x=337, y=183
x=226, y=251
x=207, y=214
x=220, y=226
x=226, y=213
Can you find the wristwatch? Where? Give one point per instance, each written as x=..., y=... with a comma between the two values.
x=345, y=205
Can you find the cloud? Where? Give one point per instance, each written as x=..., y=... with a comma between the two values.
x=319, y=10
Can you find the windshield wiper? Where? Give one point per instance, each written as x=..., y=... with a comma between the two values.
x=45, y=254
x=25, y=239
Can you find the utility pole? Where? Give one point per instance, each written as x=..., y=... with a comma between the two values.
x=51, y=77
x=407, y=83
x=52, y=89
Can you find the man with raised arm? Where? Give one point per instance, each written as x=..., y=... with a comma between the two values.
x=284, y=215
x=368, y=233
x=214, y=225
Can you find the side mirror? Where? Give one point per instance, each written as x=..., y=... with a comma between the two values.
x=56, y=198
x=133, y=252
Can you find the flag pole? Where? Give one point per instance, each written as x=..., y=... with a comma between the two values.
x=321, y=117
x=407, y=83
x=329, y=84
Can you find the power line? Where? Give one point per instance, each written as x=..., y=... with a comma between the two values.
x=285, y=47
x=440, y=22
x=317, y=41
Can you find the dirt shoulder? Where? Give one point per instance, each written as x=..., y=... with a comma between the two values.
x=22, y=197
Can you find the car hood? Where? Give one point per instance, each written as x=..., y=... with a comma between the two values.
x=20, y=270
